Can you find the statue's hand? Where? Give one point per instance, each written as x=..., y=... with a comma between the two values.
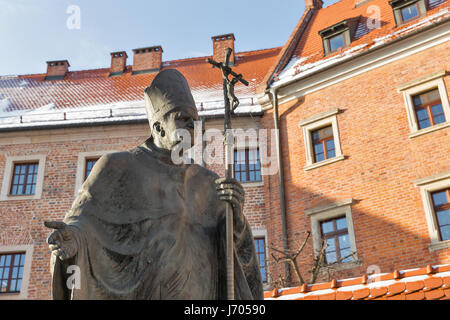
x=232, y=191
x=62, y=240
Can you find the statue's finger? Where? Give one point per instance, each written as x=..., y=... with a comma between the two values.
x=232, y=193
x=55, y=238
x=227, y=180
x=233, y=200
x=54, y=247
x=59, y=253
x=59, y=225
x=230, y=186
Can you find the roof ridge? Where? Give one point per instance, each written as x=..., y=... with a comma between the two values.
x=129, y=66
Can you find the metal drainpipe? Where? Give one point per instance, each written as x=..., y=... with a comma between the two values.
x=280, y=180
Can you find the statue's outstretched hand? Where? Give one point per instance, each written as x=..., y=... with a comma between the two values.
x=232, y=191
x=62, y=240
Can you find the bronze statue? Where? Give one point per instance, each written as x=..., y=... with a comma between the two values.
x=143, y=227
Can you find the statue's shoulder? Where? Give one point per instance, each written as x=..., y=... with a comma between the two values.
x=116, y=159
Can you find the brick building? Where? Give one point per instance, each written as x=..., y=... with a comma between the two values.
x=360, y=95
x=54, y=127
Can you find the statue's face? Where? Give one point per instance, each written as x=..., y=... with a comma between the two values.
x=177, y=119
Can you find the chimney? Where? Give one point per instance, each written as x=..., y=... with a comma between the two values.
x=313, y=4
x=220, y=44
x=147, y=60
x=57, y=70
x=118, y=63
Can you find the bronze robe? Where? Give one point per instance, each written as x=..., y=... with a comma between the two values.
x=152, y=230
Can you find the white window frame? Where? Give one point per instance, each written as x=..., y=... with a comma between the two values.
x=28, y=249
x=331, y=211
x=317, y=122
x=81, y=166
x=427, y=186
x=433, y=81
x=8, y=177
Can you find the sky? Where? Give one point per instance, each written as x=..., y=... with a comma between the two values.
x=85, y=32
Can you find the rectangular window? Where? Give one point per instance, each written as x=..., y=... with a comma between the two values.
x=24, y=179
x=428, y=108
x=88, y=167
x=247, y=166
x=335, y=233
x=11, y=272
x=323, y=144
x=407, y=10
x=441, y=206
x=261, y=254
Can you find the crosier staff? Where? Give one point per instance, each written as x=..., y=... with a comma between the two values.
x=228, y=93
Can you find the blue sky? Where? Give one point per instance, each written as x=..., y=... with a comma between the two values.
x=35, y=31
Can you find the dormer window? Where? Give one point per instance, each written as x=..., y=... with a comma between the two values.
x=407, y=10
x=338, y=36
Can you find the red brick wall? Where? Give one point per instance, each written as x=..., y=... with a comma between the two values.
x=380, y=167
x=21, y=222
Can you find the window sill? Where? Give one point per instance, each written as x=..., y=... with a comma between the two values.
x=323, y=163
x=343, y=266
x=19, y=197
x=439, y=245
x=429, y=129
x=252, y=184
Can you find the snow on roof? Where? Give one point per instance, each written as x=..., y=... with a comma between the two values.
x=307, y=57
x=430, y=282
x=92, y=96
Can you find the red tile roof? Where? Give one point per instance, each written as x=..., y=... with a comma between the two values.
x=304, y=52
x=94, y=87
x=428, y=283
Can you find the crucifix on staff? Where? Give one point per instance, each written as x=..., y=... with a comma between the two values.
x=231, y=103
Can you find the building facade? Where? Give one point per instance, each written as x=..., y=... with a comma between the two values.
x=360, y=94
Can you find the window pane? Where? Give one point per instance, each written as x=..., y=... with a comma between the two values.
x=19, y=284
x=15, y=272
x=344, y=242
x=89, y=165
x=443, y=217
x=346, y=255
x=445, y=233
x=341, y=224
x=330, y=149
x=331, y=245
x=327, y=227
x=2, y=261
x=438, y=113
x=5, y=273
x=331, y=257
x=439, y=198
x=336, y=42
x=319, y=155
x=409, y=12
